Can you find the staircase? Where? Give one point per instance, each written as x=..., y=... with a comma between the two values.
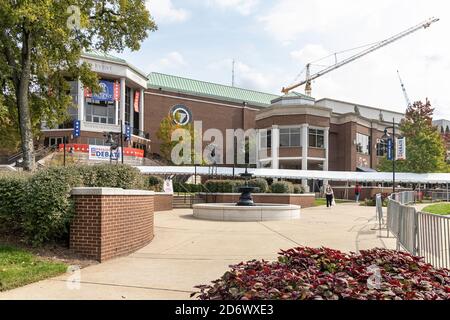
x=181, y=201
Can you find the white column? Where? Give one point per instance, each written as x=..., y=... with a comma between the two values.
x=275, y=147
x=122, y=99
x=80, y=99
x=305, y=145
x=131, y=108
x=141, y=111
x=326, y=136
x=258, y=145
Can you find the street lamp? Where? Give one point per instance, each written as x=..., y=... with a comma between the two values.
x=386, y=137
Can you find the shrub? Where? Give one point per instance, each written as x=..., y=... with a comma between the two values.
x=282, y=187
x=154, y=183
x=40, y=206
x=49, y=208
x=324, y=274
x=298, y=189
x=223, y=186
x=110, y=176
x=259, y=183
x=13, y=194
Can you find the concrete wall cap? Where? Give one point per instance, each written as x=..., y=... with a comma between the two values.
x=109, y=192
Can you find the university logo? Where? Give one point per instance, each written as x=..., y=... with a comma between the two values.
x=181, y=114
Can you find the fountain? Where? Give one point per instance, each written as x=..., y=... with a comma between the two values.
x=245, y=209
x=246, y=199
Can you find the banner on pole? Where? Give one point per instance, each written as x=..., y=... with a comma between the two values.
x=401, y=149
x=136, y=101
x=390, y=150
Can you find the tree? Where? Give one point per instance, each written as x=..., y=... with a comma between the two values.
x=425, y=149
x=164, y=134
x=40, y=49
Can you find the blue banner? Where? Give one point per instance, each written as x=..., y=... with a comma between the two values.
x=76, y=128
x=390, y=153
x=106, y=91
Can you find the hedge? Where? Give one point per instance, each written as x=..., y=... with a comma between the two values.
x=282, y=187
x=13, y=194
x=154, y=183
x=223, y=186
x=39, y=205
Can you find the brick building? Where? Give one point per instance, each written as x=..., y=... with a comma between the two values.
x=311, y=134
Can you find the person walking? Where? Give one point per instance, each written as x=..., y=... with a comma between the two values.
x=329, y=194
x=357, y=192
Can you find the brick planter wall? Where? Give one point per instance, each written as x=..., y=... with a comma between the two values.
x=304, y=200
x=163, y=201
x=111, y=222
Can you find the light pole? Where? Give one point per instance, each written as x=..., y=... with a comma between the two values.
x=386, y=137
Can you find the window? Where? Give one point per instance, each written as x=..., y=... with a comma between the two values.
x=362, y=143
x=100, y=111
x=290, y=137
x=266, y=139
x=316, y=138
x=381, y=148
x=96, y=141
x=55, y=141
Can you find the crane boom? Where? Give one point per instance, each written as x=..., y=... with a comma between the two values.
x=377, y=46
x=408, y=102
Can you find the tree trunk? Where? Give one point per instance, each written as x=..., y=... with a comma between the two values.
x=23, y=105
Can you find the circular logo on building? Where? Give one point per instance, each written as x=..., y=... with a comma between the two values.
x=181, y=114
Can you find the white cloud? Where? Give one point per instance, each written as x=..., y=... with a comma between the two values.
x=313, y=29
x=247, y=77
x=244, y=7
x=173, y=62
x=308, y=53
x=165, y=12
x=173, y=59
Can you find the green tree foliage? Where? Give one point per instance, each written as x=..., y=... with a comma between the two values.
x=41, y=42
x=425, y=149
x=166, y=128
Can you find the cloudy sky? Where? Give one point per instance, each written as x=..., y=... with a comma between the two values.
x=271, y=42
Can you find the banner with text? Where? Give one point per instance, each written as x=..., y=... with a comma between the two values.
x=401, y=149
x=104, y=153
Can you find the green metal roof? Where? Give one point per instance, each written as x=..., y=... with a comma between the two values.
x=208, y=89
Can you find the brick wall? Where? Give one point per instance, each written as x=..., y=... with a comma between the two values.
x=163, y=201
x=111, y=222
x=304, y=200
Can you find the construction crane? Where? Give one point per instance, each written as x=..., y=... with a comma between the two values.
x=408, y=102
x=309, y=78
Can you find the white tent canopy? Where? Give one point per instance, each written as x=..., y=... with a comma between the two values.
x=401, y=177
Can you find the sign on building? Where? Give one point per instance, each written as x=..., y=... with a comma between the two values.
x=401, y=149
x=106, y=91
x=104, y=153
x=76, y=128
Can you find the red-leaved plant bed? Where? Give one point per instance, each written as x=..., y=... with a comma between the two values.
x=324, y=274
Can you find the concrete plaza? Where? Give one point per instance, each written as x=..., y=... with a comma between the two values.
x=186, y=252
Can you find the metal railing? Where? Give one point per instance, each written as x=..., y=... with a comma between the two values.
x=421, y=233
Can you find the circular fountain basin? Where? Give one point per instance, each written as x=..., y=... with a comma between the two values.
x=258, y=212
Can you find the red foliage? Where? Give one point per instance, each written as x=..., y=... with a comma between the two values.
x=324, y=274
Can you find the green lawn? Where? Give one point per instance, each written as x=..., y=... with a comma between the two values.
x=442, y=209
x=19, y=267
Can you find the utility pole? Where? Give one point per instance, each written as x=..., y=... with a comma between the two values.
x=232, y=73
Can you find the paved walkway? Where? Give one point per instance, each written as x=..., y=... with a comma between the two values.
x=187, y=252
